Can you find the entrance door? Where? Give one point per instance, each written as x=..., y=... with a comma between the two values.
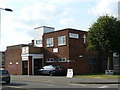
x=24, y=67
x=37, y=65
x=93, y=63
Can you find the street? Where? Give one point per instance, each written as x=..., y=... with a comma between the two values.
x=50, y=84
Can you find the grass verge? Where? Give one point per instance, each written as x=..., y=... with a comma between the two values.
x=101, y=76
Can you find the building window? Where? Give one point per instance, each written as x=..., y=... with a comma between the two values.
x=38, y=41
x=61, y=40
x=73, y=35
x=91, y=60
x=49, y=42
x=25, y=50
x=62, y=60
x=49, y=60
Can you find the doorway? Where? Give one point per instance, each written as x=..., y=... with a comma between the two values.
x=37, y=65
x=93, y=63
x=24, y=67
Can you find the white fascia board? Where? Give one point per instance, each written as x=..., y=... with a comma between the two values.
x=25, y=56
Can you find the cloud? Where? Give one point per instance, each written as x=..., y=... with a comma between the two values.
x=39, y=11
x=67, y=21
x=17, y=27
x=14, y=32
x=70, y=1
x=104, y=7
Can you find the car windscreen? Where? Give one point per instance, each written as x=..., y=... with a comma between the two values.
x=48, y=68
x=58, y=67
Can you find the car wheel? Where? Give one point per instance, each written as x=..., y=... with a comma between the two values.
x=8, y=82
x=51, y=73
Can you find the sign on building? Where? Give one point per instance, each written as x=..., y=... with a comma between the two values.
x=73, y=35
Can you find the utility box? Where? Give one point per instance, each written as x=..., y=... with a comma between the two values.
x=109, y=72
x=116, y=63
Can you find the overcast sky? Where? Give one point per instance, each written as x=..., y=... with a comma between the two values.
x=17, y=27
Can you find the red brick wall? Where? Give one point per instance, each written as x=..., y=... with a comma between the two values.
x=77, y=48
x=72, y=50
x=30, y=65
x=35, y=50
x=63, y=51
x=14, y=55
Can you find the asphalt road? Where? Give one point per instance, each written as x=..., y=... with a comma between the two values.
x=28, y=85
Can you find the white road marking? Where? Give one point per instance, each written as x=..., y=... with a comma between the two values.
x=103, y=87
x=18, y=87
x=13, y=86
x=77, y=84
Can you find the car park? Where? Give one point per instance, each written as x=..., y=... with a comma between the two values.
x=52, y=70
x=4, y=75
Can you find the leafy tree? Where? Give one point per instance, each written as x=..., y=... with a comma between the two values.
x=104, y=37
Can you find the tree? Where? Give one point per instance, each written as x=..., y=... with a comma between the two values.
x=104, y=37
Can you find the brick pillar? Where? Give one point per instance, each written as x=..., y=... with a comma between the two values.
x=30, y=65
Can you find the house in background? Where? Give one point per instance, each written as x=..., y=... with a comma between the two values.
x=66, y=47
x=2, y=59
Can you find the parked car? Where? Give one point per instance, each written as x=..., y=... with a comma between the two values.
x=4, y=75
x=52, y=70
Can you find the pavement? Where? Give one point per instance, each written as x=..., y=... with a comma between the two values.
x=64, y=79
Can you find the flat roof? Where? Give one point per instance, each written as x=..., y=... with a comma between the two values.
x=44, y=26
x=16, y=46
x=66, y=30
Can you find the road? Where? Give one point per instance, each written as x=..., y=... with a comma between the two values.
x=19, y=84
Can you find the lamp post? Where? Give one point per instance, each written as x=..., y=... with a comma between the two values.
x=5, y=9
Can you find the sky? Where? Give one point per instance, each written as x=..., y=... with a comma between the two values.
x=17, y=27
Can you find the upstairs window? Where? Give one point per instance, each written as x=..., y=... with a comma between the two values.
x=74, y=35
x=25, y=50
x=61, y=40
x=38, y=41
x=49, y=42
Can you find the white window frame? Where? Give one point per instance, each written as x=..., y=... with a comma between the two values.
x=62, y=60
x=61, y=40
x=74, y=35
x=50, y=60
x=25, y=50
x=49, y=42
x=38, y=42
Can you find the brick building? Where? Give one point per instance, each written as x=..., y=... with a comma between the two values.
x=65, y=47
x=23, y=59
x=2, y=59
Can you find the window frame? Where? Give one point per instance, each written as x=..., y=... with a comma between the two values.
x=61, y=40
x=38, y=41
x=49, y=42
